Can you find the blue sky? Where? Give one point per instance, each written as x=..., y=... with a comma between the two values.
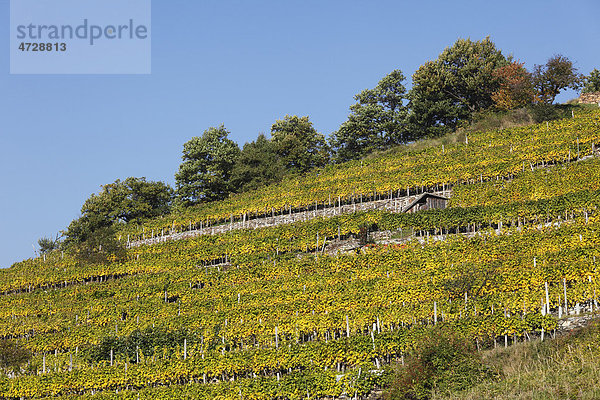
x=244, y=64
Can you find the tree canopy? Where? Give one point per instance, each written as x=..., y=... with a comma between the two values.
x=257, y=165
x=515, y=87
x=376, y=122
x=556, y=75
x=454, y=86
x=121, y=201
x=207, y=165
x=298, y=144
x=12, y=355
x=129, y=200
x=592, y=82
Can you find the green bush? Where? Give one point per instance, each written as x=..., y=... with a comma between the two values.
x=549, y=112
x=100, y=247
x=12, y=356
x=493, y=119
x=544, y=112
x=143, y=341
x=47, y=244
x=444, y=362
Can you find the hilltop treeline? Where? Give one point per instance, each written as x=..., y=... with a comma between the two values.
x=467, y=81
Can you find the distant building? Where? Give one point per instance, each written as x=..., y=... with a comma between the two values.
x=426, y=201
x=590, y=98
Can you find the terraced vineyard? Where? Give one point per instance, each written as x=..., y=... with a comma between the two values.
x=485, y=156
x=532, y=185
x=267, y=313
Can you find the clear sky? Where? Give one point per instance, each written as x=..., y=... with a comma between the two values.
x=244, y=64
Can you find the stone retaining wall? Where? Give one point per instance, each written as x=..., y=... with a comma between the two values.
x=590, y=98
x=392, y=205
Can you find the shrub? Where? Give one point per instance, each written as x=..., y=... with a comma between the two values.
x=143, y=341
x=101, y=246
x=544, y=112
x=47, y=244
x=548, y=112
x=363, y=235
x=12, y=356
x=444, y=361
x=491, y=119
x=592, y=82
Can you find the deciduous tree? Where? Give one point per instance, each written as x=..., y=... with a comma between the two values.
x=551, y=78
x=121, y=201
x=129, y=200
x=207, y=165
x=592, y=82
x=12, y=355
x=376, y=122
x=257, y=165
x=298, y=144
x=515, y=87
x=453, y=87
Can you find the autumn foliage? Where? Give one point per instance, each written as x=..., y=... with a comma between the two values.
x=516, y=88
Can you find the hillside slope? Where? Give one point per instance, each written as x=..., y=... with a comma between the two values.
x=564, y=368
x=485, y=156
x=266, y=313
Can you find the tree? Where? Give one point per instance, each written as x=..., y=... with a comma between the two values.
x=551, y=78
x=257, y=165
x=515, y=87
x=453, y=87
x=297, y=143
x=377, y=121
x=121, y=201
x=207, y=165
x=592, y=82
x=82, y=229
x=130, y=200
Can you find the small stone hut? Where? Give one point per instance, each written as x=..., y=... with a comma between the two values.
x=426, y=201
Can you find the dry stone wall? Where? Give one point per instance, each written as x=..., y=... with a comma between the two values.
x=590, y=98
x=392, y=205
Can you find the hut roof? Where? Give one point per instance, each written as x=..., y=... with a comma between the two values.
x=421, y=197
